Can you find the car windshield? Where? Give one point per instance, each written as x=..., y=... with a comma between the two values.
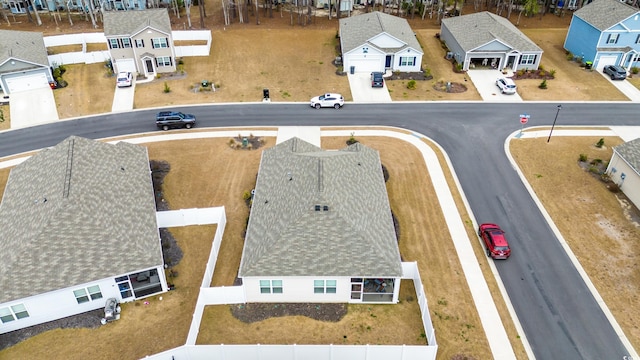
x=502, y=248
x=321, y=97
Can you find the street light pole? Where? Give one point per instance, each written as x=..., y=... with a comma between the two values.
x=554, y=122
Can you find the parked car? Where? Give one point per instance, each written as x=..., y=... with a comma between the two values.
x=111, y=311
x=495, y=241
x=615, y=72
x=166, y=120
x=327, y=100
x=506, y=85
x=125, y=79
x=376, y=79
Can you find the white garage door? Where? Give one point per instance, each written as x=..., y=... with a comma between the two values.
x=26, y=82
x=126, y=65
x=606, y=60
x=366, y=65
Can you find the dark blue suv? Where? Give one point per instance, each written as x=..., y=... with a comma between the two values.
x=376, y=79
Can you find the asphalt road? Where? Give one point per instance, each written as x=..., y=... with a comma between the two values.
x=559, y=316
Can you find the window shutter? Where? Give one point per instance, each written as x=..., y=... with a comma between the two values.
x=167, y=39
x=414, y=61
x=153, y=44
x=608, y=38
x=142, y=42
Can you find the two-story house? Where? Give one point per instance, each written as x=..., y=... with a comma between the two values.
x=605, y=32
x=140, y=41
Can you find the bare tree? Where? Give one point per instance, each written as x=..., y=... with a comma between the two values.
x=225, y=13
x=203, y=13
x=4, y=16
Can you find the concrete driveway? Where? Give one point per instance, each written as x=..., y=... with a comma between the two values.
x=625, y=87
x=32, y=107
x=123, y=97
x=485, y=82
x=362, y=92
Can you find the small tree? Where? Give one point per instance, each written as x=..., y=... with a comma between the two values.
x=167, y=89
x=543, y=84
x=600, y=143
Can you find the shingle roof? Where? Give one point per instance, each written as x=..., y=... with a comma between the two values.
x=286, y=236
x=131, y=22
x=78, y=212
x=603, y=14
x=357, y=30
x=630, y=152
x=477, y=29
x=23, y=45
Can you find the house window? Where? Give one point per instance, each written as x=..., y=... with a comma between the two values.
x=113, y=43
x=407, y=60
x=528, y=59
x=6, y=315
x=324, y=286
x=365, y=50
x=612, y=39
x=139, y=43
x=271, y=286
x=20, y=311
x=89, y=294
x=163, y=61
x=159, y=43
x=126, y=43
x=572, y=4
x=94, y=292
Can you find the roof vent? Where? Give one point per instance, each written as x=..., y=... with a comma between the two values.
x=325, y=208
x=317, y=207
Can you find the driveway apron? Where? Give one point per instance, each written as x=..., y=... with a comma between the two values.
x=625, y=87
x=123, y=98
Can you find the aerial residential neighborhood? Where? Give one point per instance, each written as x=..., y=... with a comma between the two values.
x=352, y=231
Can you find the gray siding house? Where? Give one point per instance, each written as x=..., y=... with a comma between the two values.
x=23, y=62
x=140, y=41
x=487, y=41
x=77, y=226
x=624, y=169
x=320, y=228
x=377, y=42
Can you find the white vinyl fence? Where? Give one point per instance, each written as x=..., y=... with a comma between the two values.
x=84, y=57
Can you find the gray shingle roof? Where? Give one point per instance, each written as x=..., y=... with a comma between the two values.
x=126, y=23
x=630, y=152
x=357, y=30
x=603, y=14
x=78, y=212
x=286, y=236
x=23, y=45
x=477, y=29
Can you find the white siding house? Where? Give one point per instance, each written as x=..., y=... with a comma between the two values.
x=377, y=42
x=624, y=169
x=77, y=226
x=320, y=228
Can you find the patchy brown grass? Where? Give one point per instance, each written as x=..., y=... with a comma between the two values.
x=6, y=115
x=90, y=91
x=591, y=219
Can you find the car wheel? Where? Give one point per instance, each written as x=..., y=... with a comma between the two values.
x=612, y=77
x=488, y=253
x=317, y=106
x=165, y=128
x=336, y=106
x=188, y=126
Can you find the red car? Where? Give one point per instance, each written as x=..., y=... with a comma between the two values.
x=495, y=241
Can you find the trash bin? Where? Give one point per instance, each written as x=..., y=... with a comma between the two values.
x=588, y=65
x=204, y=83
x=352, y=70
x=265, y=94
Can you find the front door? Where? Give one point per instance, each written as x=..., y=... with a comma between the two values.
x=149, y=66
x=387, y=62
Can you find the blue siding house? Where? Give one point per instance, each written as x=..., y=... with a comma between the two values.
x=606, y=32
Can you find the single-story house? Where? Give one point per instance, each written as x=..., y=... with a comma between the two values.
x=23, y=62
x=487, y=41
x=624, y=169
x=378, y=42
x=320, y=228
x=77, y=227
x=140, y=41
x=605, y=32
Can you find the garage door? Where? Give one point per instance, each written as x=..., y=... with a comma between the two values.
x=26, y=82
x=606, y=60
x=126, y=65
x=366, y=65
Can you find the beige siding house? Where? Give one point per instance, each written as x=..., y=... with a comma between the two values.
x=140, y=41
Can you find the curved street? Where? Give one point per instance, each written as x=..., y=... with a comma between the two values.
x=559, y=315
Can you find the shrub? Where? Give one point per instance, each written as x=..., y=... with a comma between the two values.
x=459, y=67
x=427, y=72
x=552, y=73
x=600, y=143
x=167, y=89
x=543, y=84
x=246, y=195
x=540, y=67
x=635, y=70
x=520, y=72
x=569, y=56
x=583, y=158
x=411, y=85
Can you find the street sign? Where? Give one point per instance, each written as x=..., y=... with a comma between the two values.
x=524, y=118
